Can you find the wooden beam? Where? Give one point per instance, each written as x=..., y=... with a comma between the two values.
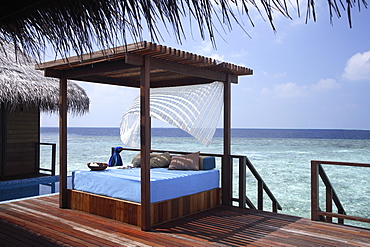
x=179, y=82
x=111, y=53
x=109, y=81
x=90, y=69
x=226, y=170
x=345, y=217
x=145, y=140
x=192, y=70
x=136, y=59
x=340, y=163
x=136, y=84
x=63, y=199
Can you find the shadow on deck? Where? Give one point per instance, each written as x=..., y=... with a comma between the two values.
x=229, y=226
x=40, y=222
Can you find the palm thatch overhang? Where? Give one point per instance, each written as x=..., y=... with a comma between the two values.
x=23, y=86
x=79, y=25
x=146, y=65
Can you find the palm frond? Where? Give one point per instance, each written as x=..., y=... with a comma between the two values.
x=76, y=26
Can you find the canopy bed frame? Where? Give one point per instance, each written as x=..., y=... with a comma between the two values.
x=145, y=65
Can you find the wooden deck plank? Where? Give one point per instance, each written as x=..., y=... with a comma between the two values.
x=92, y=234
x=40, y=222
x=87, y=231
x=122, y=234
x=10, y=236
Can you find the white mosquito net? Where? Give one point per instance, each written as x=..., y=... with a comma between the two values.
x=195, y=109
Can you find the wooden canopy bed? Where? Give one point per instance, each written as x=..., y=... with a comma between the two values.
x=144, y=65
x=115, y=192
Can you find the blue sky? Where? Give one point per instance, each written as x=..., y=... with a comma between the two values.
x=308, y=76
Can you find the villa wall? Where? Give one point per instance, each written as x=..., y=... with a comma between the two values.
x=20, y=133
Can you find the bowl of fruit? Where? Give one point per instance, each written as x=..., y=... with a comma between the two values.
x=97, y=166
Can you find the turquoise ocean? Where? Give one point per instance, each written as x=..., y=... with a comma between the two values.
x=281, y=156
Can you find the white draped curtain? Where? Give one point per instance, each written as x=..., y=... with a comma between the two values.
x=195, y=109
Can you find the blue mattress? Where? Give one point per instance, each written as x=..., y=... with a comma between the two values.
x=164, y=184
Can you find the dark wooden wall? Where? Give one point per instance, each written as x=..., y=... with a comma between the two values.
x=20, y=130
x=2, y=137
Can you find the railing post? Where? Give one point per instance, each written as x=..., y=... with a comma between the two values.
x=341, y=220
x=329, y=203
x=37, y=157
x=314, y=190
x=242, y=182
x=260, y=195
x=53, y=158
x=274, y=207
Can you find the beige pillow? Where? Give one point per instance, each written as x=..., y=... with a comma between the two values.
x=185, y=162
x=160, y=161
x=137, y=159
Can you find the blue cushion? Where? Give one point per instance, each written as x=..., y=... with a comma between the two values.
x=207, y=163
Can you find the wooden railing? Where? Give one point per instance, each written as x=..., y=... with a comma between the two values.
x=262, y=187
x=317, y=172
x=244, y=163
x=53, y=157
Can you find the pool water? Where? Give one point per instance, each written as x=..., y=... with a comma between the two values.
x=24, y=188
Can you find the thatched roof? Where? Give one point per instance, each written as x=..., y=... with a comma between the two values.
x=22, y=85
x=78, y=25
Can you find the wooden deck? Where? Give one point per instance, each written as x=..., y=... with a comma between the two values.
x=40, y=222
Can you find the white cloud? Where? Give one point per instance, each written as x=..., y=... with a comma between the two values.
x=325, y=84
x=279, y=37
x=286, y=90
x=206, y=48
x=275, y=76
x=217, y=57
x=240, y=53
x=298, y=21
x=358, y=67
x=293, y=90
x=279, y=75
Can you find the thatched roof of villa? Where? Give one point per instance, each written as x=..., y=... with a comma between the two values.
x=79, y=26
x=23, y=86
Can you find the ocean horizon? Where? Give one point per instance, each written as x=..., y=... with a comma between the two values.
x=236, y=132
x=281, y=156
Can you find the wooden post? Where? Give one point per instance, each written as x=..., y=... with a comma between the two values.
x=314, y=190
x=63, y=196
x=226, y=169
x=145, y=142
x=242, y=182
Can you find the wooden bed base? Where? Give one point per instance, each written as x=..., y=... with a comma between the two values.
x=130, y=212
